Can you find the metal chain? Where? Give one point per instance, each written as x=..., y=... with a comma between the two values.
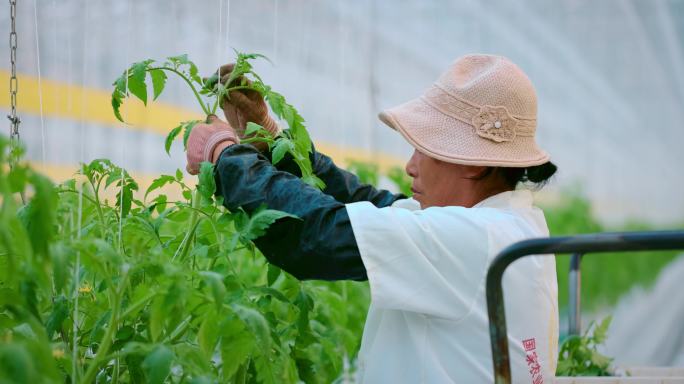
x=14, y=83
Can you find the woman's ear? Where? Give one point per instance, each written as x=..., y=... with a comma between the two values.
x=476, y=172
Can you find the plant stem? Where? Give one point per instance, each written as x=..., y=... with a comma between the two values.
x=76, y=192
x=241, y=374
x=180, y=329
x=106, y=341
x=194, y=90
x=138, y=304
x=96, y=190
x=194, y=221
x=227, y=91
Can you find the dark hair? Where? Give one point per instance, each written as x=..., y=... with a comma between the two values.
x=535, y=177
x=538, y=176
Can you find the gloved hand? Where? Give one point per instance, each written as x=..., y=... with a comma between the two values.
x=245, y=105
x=207, y=141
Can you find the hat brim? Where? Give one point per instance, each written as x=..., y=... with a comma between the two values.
x=446, y=138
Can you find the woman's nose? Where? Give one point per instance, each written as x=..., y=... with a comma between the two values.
x=411, y=167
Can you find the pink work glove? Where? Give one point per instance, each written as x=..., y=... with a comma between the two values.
x=207, y=141
x=245, y=105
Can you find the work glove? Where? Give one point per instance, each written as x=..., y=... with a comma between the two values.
x=207, y=141
x=245, y=105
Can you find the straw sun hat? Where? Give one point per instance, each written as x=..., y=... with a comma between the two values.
x=481, y=111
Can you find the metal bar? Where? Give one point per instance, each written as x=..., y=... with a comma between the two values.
x=593, y=243
x=574, y=295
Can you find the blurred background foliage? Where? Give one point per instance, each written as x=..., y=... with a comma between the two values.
x=605, y=278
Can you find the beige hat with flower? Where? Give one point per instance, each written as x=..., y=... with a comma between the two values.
x=481, y=111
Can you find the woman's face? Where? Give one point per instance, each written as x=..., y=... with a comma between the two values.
x=438, y=184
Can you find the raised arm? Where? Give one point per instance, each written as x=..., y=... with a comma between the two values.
x=318, y=245
x=247, y=105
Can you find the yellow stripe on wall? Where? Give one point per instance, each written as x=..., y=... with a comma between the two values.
x=60, y=173
x=64, y=100
x=91, y=105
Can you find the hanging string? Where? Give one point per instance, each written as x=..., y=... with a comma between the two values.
x=70, y=75
x=77, y=264
x=372, y=79
x=341, y=86
x=40, y=85
x=124, y=115
x=227, y=42
x=219, y=42
x=55, y=61
x=275, y=31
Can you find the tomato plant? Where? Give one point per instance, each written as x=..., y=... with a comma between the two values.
x=579, y=355
x=145, y=288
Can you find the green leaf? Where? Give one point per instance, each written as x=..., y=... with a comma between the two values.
x=16, y=364
x=282, y=146
x=215, y=282
x=207, y=183
x=314, y=181
x=160, y=182
x=201, y=380
x=260, y=220
x=194, y=73
x=257, y=325
x=136, y=81
x=97, y=331
x=61, y=257
x=183, y=59
x=195, y=364
x=187, y=128
x=158, y=81
x=39, y=215
x=252, y=128
x=158, y=313
x=18, y=177
x=124, y=199
x=125, y=333
x=60, y=312
x=270, y=292
x=266, y=371
x=236, y=345
x=305, y=303
x=170, y=137
x=601, y=330
x=179, y=60
x=118, y=94
x=157, y=364
x=273, y=274
x=600, y=360
x=208, y=335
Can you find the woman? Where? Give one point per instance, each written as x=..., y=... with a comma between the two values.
x=425, y=258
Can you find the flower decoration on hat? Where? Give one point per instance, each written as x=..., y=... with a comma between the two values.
x=495, y=123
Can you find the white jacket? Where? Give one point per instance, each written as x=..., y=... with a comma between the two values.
x=427, y=322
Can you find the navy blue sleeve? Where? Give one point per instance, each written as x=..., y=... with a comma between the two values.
x=319, y=246
x=342, y=185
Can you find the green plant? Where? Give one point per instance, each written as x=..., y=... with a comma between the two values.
x=366, y=172
x=209, y=93
x=605, y=277
x=399, y=177
x=149, y=289
x=579, y=356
